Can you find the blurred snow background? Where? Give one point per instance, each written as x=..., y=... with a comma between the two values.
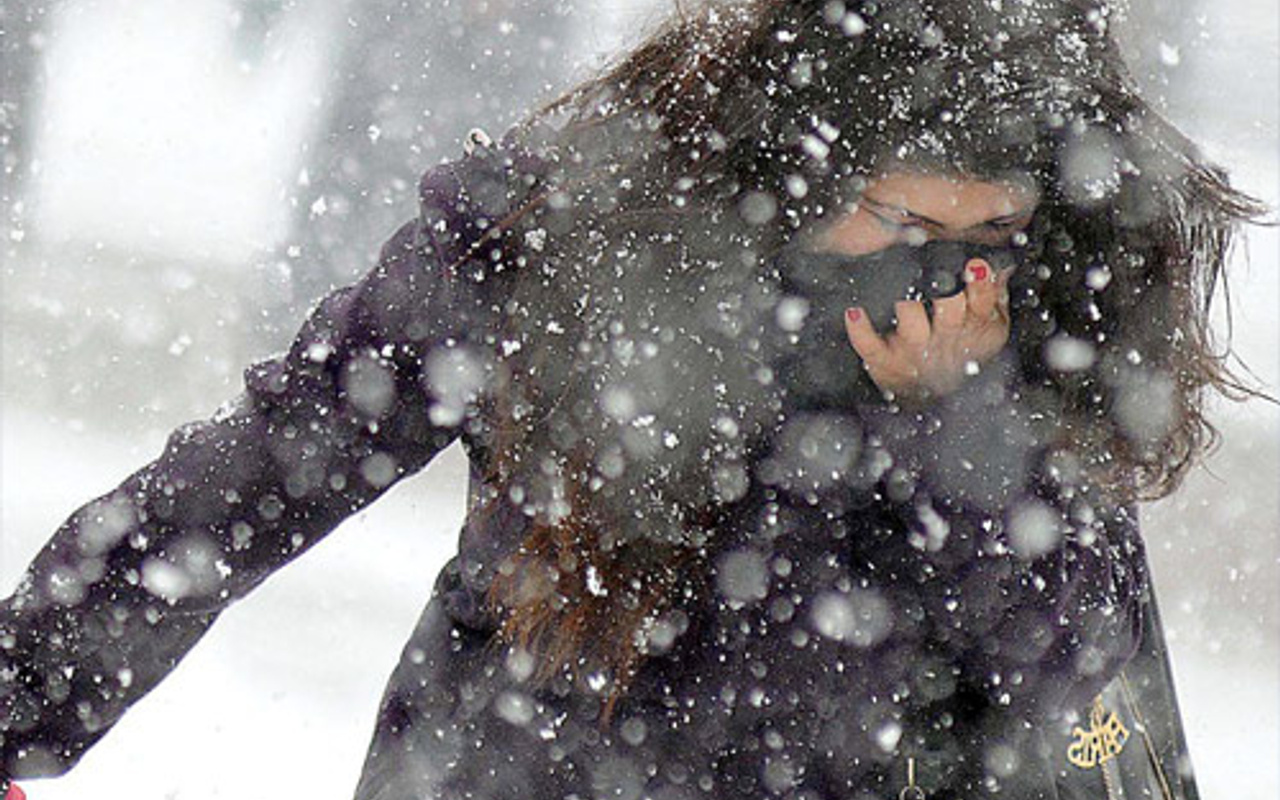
x=181, y=181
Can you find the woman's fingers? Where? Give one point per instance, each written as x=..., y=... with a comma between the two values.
x=913, y=322
x=1002, y=287
x=949, y=313
x=981, y=290
x=873, y=349
x=934, y=350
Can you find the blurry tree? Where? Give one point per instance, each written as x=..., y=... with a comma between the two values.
x=408, y=79
x=23, y=31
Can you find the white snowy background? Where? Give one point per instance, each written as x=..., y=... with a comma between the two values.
x=164, y=169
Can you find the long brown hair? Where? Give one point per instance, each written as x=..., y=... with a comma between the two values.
x=635, y=397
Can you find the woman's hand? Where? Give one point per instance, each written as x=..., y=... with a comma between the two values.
x=924, y=358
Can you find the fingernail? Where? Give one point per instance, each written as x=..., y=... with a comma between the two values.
x=853, y=314
x=979, y=269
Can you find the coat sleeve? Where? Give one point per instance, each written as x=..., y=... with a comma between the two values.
x=374, y=385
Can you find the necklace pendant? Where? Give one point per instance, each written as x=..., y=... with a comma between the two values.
x=1101, y=742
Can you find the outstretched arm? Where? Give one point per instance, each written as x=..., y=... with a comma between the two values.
x=133, y=579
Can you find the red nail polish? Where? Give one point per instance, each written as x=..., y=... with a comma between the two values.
x=980, y=271
x=852, y=314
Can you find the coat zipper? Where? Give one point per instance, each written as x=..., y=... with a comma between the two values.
x=1149, y=746
x=1109, y=780
x=911, y=791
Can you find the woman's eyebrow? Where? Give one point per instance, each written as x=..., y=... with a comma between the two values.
x=1015, y=215
x=906, y=212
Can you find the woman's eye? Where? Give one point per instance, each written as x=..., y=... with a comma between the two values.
x=895, y=224
x=1001, y=231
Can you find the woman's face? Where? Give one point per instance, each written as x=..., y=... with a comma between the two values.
x=931, y=349
x=914, y=207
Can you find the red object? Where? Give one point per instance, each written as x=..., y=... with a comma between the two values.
x=979, y=269
x=853, y=314
x=15, y=793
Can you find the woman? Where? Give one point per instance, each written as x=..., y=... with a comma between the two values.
x=809, y=362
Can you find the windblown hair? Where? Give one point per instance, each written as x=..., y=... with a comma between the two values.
x=637, y=392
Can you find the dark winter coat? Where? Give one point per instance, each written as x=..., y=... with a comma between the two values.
x=835, y=642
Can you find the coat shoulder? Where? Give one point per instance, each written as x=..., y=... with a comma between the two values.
x=468, y=205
